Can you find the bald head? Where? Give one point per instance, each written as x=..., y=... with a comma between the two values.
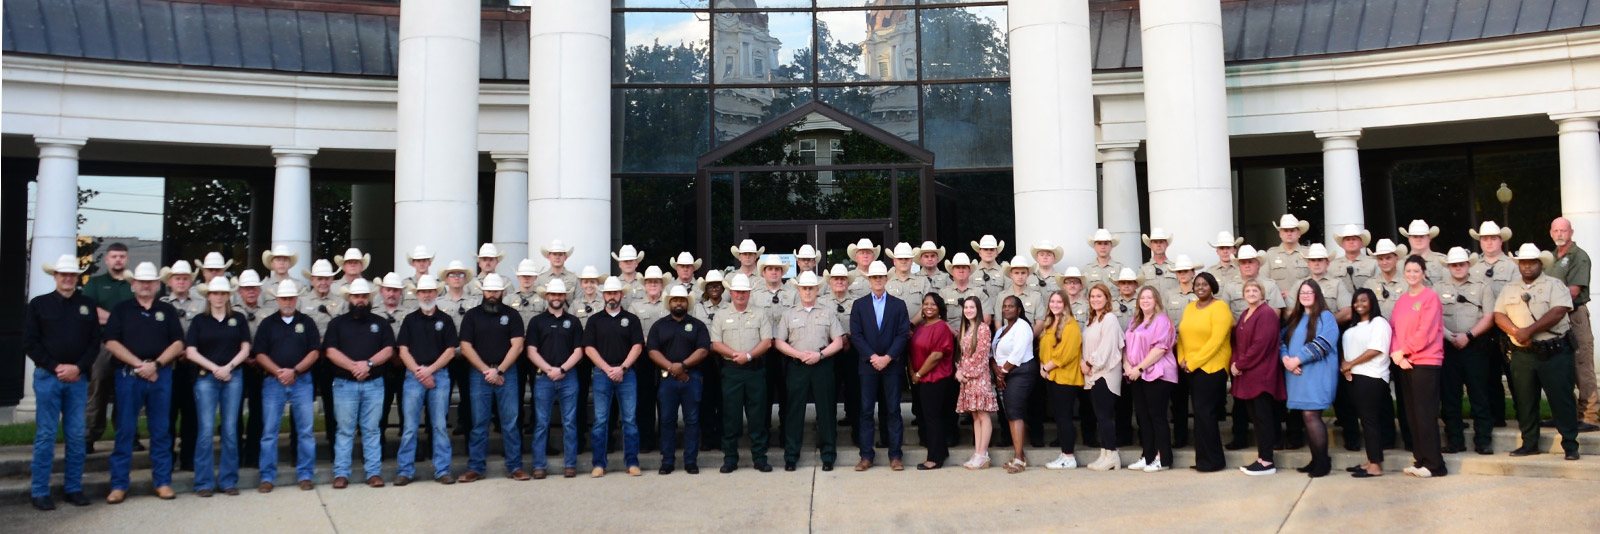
x=1561, y=231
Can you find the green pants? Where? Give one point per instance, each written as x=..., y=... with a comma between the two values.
x=744, y=397
x=1554, y=374
x=807, y=381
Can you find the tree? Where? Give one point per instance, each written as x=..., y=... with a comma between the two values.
x=87, y=245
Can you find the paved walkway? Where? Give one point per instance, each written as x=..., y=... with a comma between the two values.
x=809, y=500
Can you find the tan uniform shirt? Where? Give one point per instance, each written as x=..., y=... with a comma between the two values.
x=990, y=278
x=909, y=289
x=255, y=314
x=648, y=313
x=585, y=307
x=340, y=283
x=1233, y=293
x=1464, y=303
x=633, y=290
x=773, y=302
x=1123, y=309
x=706, y=312
x=1437, y=272
x=566, y=276
x=840, y=307
x=1354, y=273
x=936, y=280
x=527, y=304
x=1159, y=275
x=1094, y=273
x=1505, y=270
x=1284, y=267
x=952, y=303
x=1033, y=304
x=1226, y=273
x=742, y=331
x=1335, y=294
x=188, y=309
x=1175, y=303
x=810, y=330
x=1080, y=310
x=1388, y=291
x=394, y=316
x=1044, y=283
x=1544, y=293
x=858, y=284
x=323, y=309
x=272, y=281
x=456, y=307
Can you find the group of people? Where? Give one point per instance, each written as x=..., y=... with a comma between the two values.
x=1294, y=329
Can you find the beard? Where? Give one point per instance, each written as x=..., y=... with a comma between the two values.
x=613, y=305
x=556, y=304
x=679, y=311
x=427, y=306
x=360, y=312
x=491, y=305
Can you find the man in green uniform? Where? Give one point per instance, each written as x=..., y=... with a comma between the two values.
x=742, y=336
x=107, y=290
x=810, y=335
x=1572, y=267
x=1533, y=314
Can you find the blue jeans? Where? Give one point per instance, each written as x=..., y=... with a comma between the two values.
x=356, y=404
x=672, y=394
x=503, y=398
x=58, y=403
x=544, y=392
x=627, y=395
x=134, y=393
x=211, y=394
x=887, y=384
x=299, y=396
x=413, y=397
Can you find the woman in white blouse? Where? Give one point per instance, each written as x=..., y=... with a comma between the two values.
x=1102, y=372
x=1366, y=367
x=1018, y=370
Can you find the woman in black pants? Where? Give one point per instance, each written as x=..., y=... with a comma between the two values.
x=1204, y=351
x=932, y=349
x=1366, y=369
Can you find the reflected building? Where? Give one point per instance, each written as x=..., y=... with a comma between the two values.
x=890, y=49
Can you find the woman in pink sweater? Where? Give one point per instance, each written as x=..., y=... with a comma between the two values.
x=1418, y=349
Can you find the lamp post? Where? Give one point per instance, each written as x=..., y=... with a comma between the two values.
x=1504, y=195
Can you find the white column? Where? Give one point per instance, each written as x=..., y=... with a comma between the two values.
x=371, y=224
x=569, y=140
x=1052, y=142
x=291, y=203
x=1580, y=175
x=1119, y=198
x=511, y=207
x=1185, y=101
x=1341, y=182
x=436, y=131
x=55, y=232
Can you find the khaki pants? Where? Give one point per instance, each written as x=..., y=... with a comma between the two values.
x=1583, y=356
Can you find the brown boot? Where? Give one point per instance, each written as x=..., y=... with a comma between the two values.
x=539, y=474
x=340, y=482
x=519, y=475
x=265, y=487
x=307, y=485
x=116, y=496
x=864, y=465
x=445, y=479
x=166, y=493
x=401, y=480
x=469, y=477
x=374, y=481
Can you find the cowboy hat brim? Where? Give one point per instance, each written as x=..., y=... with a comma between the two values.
x=1545, y=257
x=1505, y=234
x=1399, y=250
x=51, y=270
x=225, y=265
x=637, y=256
x=1236, y=242
x=203, y=289
x=545, y=251
x=1001, y=247
x=167, y=274
x=851, y=250
x=1433, y=231
x=1114, y=241
x=366, y=259
x=1303, y=226
x=1058, y=251
x=266, y=258
x=918, y=252
x=308, y=276
x=736, y=253
x=1147, y=240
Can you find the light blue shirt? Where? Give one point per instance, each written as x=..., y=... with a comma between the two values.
x=877, y=305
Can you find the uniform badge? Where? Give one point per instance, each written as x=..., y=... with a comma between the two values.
x=374, y=328
x=233, y=321
x=514, y=302
x=299, y=329
x=504, y=320
x=438, y=326
x=624, y=322
x=566, y=323
x=688, y=327
x=160, y=316
x=83, y=310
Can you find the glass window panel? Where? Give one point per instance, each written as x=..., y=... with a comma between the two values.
x=1534, y=177
x=663, y=130
x=741, y=109
x=972, y=204
x=1429, y=188
x=761, y=4
x=661, y=47
x=814, y=195
x=115, y=209
x=927, y=2
x=722, y=223
x=910, y=185
x=968, y=125
x=655, y=214
x=689, y=4
x=966, y=42
x=878, y=45
x=890, y=107
x=213, y=213
x=752, y=47
x=862, y=3
x=1269, y=190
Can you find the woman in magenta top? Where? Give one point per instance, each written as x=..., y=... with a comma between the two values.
x=1152, y=371
x=1257, y=375
x=1418, y=349
x=932, y=349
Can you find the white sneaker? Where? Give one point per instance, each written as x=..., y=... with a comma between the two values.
x=1421, y=472
x=1063, y=462
x=1137, y=465
x=1154, y=466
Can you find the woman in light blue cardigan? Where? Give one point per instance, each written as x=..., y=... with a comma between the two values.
x=1311, y=368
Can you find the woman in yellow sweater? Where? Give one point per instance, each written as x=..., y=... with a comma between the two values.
x=1060, y=350
x=1204, y=351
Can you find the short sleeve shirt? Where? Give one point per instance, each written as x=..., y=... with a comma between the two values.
x=810, y=330
x=1573, y=269
x=1464, y=303
x=613, y=336
x=491, y=333
x=219, y=341
x=287, y=343
x=358, y=339
x=677, y=340
x=1336, y=295
x=742, y=331
x=1543, y=294
x=555, y=337
x=426, y=336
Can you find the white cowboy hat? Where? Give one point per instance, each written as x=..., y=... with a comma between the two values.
x=1017, y=262
x=279, y=251
x=1490, y=228
x=285, y=289
x=747, y=246
x=1419, y=227
x=1127, y=275
x=455, y=266
x=877, y=268
x=218, y=284
x=591, y=273
x=928, y=246
x=488, y=250
x=684, y=258
x=807, y=279
x=838, y=271
x=320, y=268
x=713, y=277
x=419, y=253
x=67, y=263
x=1247, y=252
x=179, y=267
x=771, y=261
x=493, y=282
x=1103, y=235
x=1385, y=246
x=739, y=282
x=554, y=247
x=427, y=282
x=627, y=253
x=902, y=251
x=612, y=284
x=1351, y=230
x=391, y=281
x=1226, y=239
x=1183, y=263
x=1046, y=245
x=988, y=241
x=1530, y=251
x=807, y=252
x=527, y=267
x=864, y=243
x=677, y=292
x=214, y=261
x=249, y=278
x=556, y=286
x=1156, y=234
x=654, y=273
x=351, y=254
x=1288, y=221
x=960, y=260
x=1070, y=272
x=1457, y=255
x=1317, y=252
x=359, y=286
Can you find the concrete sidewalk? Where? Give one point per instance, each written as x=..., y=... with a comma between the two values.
x=809, y=500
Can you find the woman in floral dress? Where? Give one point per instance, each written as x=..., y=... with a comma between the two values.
x=977, y=387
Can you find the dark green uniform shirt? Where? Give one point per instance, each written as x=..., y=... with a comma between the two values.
x=1573, y=268
x=108, y=292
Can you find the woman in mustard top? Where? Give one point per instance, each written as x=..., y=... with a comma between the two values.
x=1204, y=351
x=1060, y=350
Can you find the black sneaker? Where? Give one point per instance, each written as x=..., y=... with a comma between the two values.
x=1256, y=469
x=1572, y=455
x=728, y=468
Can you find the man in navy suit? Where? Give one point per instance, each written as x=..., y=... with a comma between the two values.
x=881, y=331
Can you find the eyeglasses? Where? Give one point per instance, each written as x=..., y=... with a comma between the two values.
x=1308, y=293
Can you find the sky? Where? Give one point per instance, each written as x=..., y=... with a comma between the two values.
x=126, y=206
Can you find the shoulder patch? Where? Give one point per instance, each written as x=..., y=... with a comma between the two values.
x=504, y=320
x=373, y=327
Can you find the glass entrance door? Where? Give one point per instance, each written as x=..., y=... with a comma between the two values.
x=830, y=238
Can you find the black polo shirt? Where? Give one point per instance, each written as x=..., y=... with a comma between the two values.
x=359, y=340
x=612, y=336
x=218, y=341
x=678, y=339
x=286, y=344
x=61, y=330
x=555, y=337
x=145, y=332
x=491, y=333
x=427, y=336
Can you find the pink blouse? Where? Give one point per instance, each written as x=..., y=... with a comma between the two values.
x=1141, y=339
x=1419, y=328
